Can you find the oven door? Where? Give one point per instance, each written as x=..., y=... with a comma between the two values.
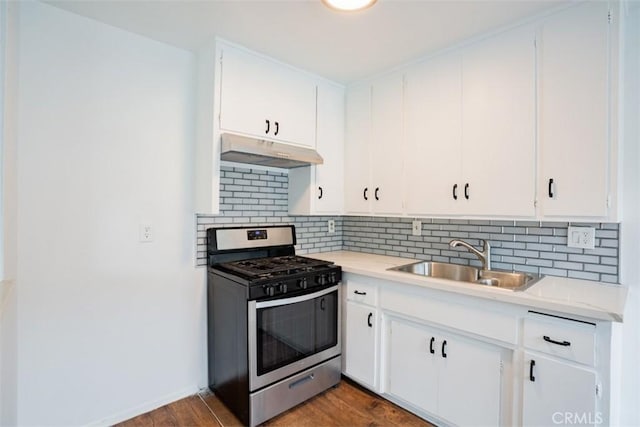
x=288, y=335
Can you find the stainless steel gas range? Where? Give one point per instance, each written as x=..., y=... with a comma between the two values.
x=273, y=319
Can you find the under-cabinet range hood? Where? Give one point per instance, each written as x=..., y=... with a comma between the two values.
x=242, y=149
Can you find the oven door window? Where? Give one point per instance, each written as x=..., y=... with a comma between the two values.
x=290, y=332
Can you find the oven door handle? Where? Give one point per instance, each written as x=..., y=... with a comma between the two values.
x=293, y=300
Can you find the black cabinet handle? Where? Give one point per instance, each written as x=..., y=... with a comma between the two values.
x=455, y=191
x=562, y=343
x=531, y=365
x=277, y=128
x=431, y=350
x=444, y=344
x=268, y=126
x=365, y=193
x=466, y=191
x=359, y=293
x=550, y=188
x=376, y=193
x=369, y=320
x=320, y=189
x=323, y=304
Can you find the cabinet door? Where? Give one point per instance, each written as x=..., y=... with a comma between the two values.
x=387, y=153
x=265, y=99
x=554, y=390
x=358, y=150
x=433, y=136
x=469, y=382
x=574, y=112
x=498, y=122
x=413, y=370
x=330, y=140
x=360, y=352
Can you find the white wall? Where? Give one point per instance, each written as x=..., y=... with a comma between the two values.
x=8, y=295
x=107, y=326
x=630, y=228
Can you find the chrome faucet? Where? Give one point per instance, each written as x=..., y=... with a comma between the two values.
x=484, y=256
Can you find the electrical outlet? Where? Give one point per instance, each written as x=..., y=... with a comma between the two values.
x=581, y=237
x=145, y=233
x=416, y=228
x=331, y=225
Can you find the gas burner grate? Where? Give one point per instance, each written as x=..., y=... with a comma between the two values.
x=275, y=266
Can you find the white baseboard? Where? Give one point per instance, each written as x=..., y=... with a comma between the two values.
x=145, y=407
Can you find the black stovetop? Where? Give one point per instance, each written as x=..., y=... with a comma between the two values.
x=273, y=267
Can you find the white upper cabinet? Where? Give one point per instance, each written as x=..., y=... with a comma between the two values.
x=320, y=189
x=330, y=140
x=575, y=90
x=470, y=130
x=433, y=136
x=357, y=149
x=498, y=126
x=266, y=99
x=387, y=149
x=373, y=154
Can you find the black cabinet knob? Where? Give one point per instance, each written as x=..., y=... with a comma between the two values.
x=455, y=191
x=277, y=128
x=466, y=191
x=320, y=190
x=268, y=126
x=550, y=188
x=364, y=194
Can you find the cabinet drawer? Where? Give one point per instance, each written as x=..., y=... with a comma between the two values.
x=569, y=339
x=361, y=292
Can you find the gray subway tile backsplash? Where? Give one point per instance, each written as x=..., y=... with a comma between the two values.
x=256, y=197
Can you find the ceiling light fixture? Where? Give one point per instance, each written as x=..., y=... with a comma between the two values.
x=349, y=5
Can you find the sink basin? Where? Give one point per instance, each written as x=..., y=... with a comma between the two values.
x=506, y=280
x=462, y=273
x=441, y=270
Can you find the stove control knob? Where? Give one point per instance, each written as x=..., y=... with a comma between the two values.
x=270, y=290
x=322, y=279
x=302, y=283
x=282, y=288
x=332, y=278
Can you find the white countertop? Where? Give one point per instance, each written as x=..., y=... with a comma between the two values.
x=595, y=300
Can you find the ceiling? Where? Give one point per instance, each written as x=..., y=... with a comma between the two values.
x=340, y=46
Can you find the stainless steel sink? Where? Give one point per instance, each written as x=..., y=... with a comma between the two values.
x=462, y=273
x=441, y=270
x=506, y=280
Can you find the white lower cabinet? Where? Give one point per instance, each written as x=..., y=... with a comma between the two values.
x=466, y=361
x=360, y=352
x=454, y=378
x=558, y=393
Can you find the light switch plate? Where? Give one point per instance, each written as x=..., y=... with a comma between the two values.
x=416, y=228
x=581, y=237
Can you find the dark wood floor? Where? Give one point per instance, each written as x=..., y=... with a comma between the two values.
x=345, y=405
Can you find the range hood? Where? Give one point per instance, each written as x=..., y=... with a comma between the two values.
x=242, y=149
